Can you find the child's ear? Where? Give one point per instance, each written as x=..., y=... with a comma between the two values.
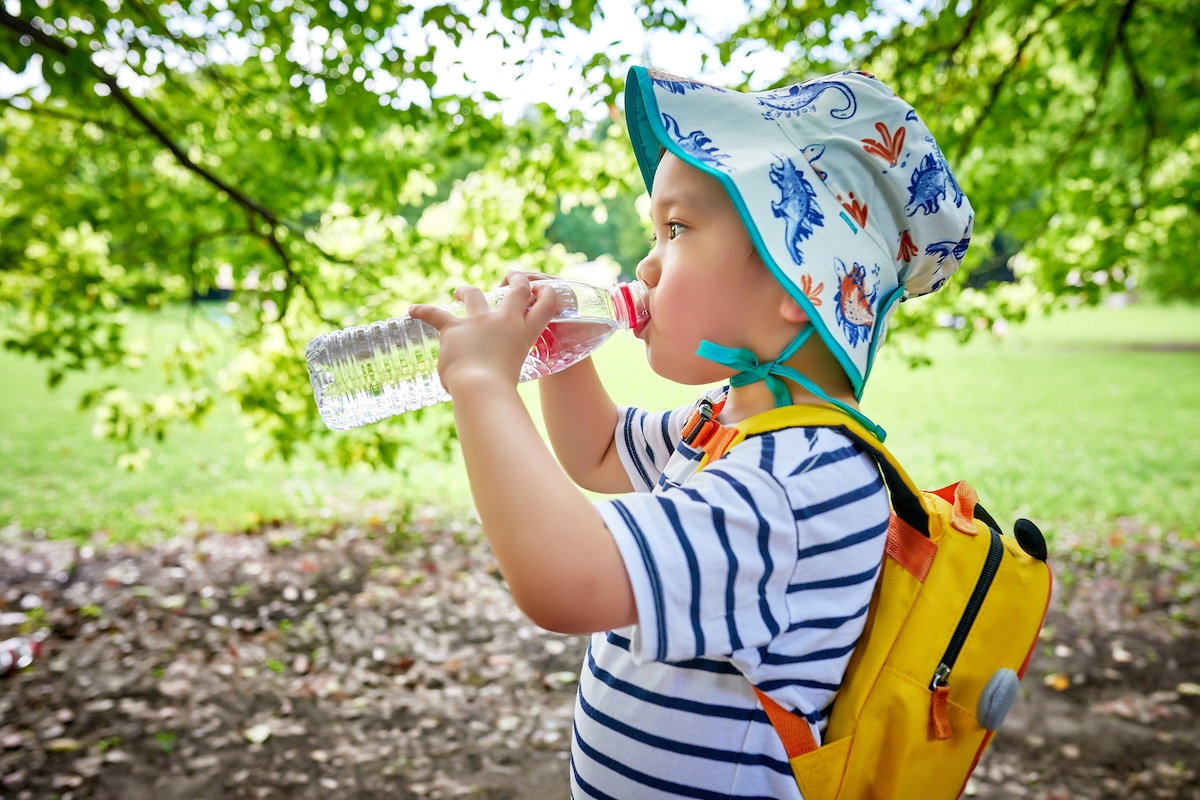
x=791, y=311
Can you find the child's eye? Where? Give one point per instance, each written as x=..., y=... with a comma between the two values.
x=673, y=229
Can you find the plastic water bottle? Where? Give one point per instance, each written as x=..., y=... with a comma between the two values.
x=370, y=372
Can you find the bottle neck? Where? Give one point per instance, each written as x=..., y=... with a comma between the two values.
x=629, y=299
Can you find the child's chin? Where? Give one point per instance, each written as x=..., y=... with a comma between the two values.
x=686, y=374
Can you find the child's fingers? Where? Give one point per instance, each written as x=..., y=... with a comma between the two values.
x=472, y=299
x=434, y=316
x=519, y=292
x=543, y=309
x=532, y=276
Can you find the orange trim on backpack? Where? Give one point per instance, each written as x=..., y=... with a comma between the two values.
x=938, y=715
x=715, y=440
x=963, y=498
x=910, y=548
x=701, y=431
x=692, y=424
x=794, y=732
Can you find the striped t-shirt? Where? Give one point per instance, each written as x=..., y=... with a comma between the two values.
x=759, y=569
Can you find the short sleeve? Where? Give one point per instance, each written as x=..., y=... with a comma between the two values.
x=715, y=563
x=645, y=442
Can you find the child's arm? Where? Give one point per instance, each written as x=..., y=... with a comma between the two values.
x=581, y=421
x=561, y=563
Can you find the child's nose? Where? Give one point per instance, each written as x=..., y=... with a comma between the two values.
x=648, y=270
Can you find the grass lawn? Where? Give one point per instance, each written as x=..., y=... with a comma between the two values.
x=1075, y=421
x=57, y=477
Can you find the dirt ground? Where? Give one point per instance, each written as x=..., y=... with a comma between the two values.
x=360, y=664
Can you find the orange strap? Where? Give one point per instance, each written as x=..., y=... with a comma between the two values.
x=703, y=432
x=717, y=441
x=794, y=732
x=938, y=715
x=910, y=548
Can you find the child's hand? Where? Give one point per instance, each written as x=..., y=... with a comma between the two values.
x=532, y=276
x=487, y=347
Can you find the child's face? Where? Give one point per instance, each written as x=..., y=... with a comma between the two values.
x=705, y=279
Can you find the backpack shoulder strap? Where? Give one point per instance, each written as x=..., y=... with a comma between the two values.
x=704, y=432
x=908, y=543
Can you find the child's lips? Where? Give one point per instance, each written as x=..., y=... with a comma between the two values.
x=639, y=330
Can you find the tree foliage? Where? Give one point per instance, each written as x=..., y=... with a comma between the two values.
x=301, y=152
x=306, y=154
x=1072, y=124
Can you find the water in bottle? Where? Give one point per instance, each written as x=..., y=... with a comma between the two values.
x=370, y=372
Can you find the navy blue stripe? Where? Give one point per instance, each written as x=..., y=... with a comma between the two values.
x=683, y=747
x=808, y=512
x=766, y=458
x=665, y=430
x=706, y=665
x=718, y=518
x=715, y=666
x=835, y=583
x=770, y=686
x=768, y=564
x=764, y=549
x=693, y=563
x=775, y=659
x=669, y=701
x=824, y=459
x=630, y=414
x=618, y=641
x=584, y=785
x=656, y=588
x=650, y=781
x=847, y=541
x=828, y=623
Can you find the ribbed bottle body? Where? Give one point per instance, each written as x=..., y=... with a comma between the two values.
x=367, y=373
x=370, y=372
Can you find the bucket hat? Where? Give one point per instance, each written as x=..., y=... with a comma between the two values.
x=842, y=187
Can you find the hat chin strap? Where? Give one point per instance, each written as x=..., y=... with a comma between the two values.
x=751, y=370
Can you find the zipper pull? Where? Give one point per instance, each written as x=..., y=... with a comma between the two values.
x=941, y=677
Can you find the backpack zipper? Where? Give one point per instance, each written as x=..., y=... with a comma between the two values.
x=991, y=565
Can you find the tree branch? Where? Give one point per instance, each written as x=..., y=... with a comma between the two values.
x=973, y=17
x=998, y=85
x=1144, y=99
x=56, y=113
x=125, y=101
x=252, y=206
x=1098, y=93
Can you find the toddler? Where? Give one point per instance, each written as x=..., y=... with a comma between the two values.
x=787, y=224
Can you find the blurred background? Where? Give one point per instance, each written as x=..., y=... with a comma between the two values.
x=190, y=191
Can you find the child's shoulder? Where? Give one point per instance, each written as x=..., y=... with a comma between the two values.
x=801, y=453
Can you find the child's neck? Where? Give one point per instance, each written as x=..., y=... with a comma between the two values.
x=744, y=402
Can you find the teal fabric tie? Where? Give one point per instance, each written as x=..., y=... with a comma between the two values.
x=751, y=370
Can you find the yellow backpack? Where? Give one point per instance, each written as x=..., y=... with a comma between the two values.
x=952, y=625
